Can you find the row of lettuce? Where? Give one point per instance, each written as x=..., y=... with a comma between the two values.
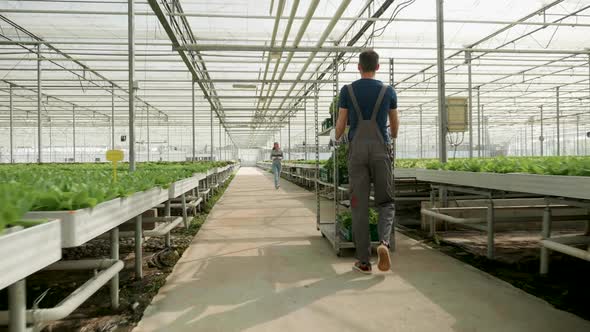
x=64, y=187
x=565, y=166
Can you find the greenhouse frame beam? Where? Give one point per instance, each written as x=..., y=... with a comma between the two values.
x=39, y=96
x=325, y=34
x=442, y=107
x=333, y=49
x=132, y=87
x=297, y=18
x=329, y=70
x=492, y=35
x=191, y=65
x=39, y=41
x=496, y=81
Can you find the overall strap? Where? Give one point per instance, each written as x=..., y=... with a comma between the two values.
x=378, y=103
x=355, y=103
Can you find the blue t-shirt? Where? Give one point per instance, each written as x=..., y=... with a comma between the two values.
x=367, y=91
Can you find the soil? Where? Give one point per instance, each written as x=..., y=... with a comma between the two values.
x=96, y=315
x=517, y=262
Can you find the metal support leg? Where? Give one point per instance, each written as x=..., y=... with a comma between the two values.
x=138, y=247
x=545, y=234
x=444, y=202
x=431, y=220
x=167, y=214
x=184, y=214
x=17, y=305
x=490, y=229
x=114, y=286
x=317, y=154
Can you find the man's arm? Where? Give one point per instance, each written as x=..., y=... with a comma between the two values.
x=341, y=123
x=393, y=123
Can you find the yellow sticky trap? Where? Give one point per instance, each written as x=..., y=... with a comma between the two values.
x=114, y=156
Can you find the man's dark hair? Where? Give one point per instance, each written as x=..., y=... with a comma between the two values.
x=369, y=60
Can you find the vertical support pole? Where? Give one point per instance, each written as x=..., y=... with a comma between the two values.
x=289, y=136
x=168, y=136
x=431, y=220
x=317, y=152
x=478, y=124
x=219, y=147
x=138, y=247
x=112, y=116
x=577, y=135
x=421, y=146
x=490, y=228
x=526, y=143
x=194, y=148
x=114, y=284
x=167, y=214
x=17, y=305
x=532, y=136
x=39, y=96
x=391, y=72
x=212, y=133
x=557, y=121
x=545, y=234
x=440, y=55
x=132, y=86
x=147, y=114
x=483, y=131
x=74, y=132
x=470, y=105
x=11, y=110
x=335, y=153
x=305, y=123
x=184, y=213
x=542, y=138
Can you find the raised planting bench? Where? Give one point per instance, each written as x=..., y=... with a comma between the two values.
x=546, y=185
x=83, y=225
x=404, y=172
x=28, y=250
x=557, y=189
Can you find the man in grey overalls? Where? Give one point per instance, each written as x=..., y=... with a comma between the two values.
x=370, y=157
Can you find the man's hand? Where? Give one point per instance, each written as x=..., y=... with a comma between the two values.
x=391, y=149
x=336, y=142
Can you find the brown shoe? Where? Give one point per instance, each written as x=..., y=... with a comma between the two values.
x=364, y=268
x=384, y=262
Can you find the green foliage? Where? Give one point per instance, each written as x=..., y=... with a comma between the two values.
x=58, y=187
x=342, y=156
x=345, y=218
x=567, y=166
x=15, y=201
x=334, y=106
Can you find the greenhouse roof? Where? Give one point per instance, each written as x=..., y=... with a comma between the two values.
x=255, y=62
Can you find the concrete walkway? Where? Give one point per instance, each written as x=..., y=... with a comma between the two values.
x=258, y=264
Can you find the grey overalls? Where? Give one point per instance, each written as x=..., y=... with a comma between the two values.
x=369, y=161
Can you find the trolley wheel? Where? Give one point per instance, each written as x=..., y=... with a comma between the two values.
x=339, y=252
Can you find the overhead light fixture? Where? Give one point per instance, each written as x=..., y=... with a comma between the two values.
x=275, y=55
x=244, y=86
